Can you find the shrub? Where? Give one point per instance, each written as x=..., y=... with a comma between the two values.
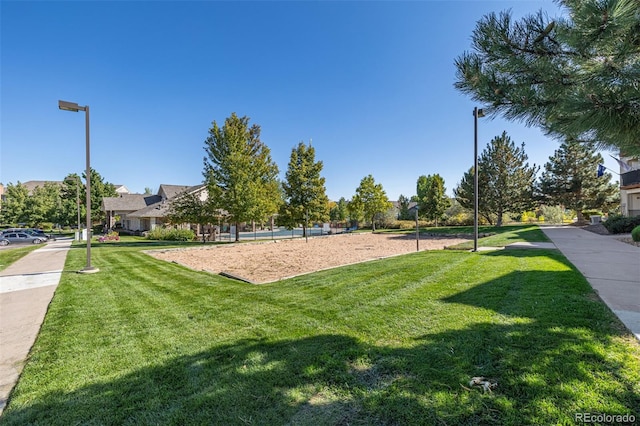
x=45, y=226
x=618, y=224
x=407, y=224
x=591, y=212
x=170, y=234
x=568, y=216
x=111, y=236
x=529, y=217
x=552, y=214
x=635, y=234
x=460, y=219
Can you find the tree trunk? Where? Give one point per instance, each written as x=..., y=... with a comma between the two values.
x=499, y=221
x=373, y=223
x=202, y=231
x=237, y=231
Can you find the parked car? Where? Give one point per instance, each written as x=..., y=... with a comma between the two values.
x=6, y=231
x=31, y=231
x=40, y=233
x=20, y=238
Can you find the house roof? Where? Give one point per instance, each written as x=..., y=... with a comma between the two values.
x=129, y=202
x=411, y=205
x=170, y=191
x=161, y=207
x=121, y=189
x=31, y=185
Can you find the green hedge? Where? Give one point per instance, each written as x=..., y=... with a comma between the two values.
x=617, y=224
x=635, y=234
x=170, y=234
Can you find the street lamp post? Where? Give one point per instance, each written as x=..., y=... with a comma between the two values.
x=417, y=231
x=476, y=113
x=71, y=106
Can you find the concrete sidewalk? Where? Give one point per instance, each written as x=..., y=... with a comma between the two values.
x=612, y=268
x=26, y=289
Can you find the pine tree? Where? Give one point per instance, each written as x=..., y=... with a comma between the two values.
x=575, y=76
x=403, y=208
x=240, y=175
x=506, y=182
x=369, y=200
x=305, y=199
x=570, y=179
x=339, y=212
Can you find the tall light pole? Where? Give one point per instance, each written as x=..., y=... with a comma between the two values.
x=71, y=106
x=417, y=231
x=476, y=113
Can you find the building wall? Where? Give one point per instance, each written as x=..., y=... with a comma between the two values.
x=630, y=202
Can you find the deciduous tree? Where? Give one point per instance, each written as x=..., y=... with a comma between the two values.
x=44, y=204
x=194, y=207
x=72, y=198
x=432, y=198
x=305, y=198
x=14, y=206
x=240, y=175
x=370, y=199
x=99, y=189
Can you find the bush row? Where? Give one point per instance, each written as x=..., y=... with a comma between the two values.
x=618, y=224
x=170, y=234
x=635, y=234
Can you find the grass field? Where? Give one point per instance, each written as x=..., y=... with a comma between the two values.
x=497, y=236
x=13, y=253
x=394, y=341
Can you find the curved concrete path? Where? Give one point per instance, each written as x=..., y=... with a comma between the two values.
x=612, y=268
x=26, y=289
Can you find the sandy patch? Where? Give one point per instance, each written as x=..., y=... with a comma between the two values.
x=264, y=262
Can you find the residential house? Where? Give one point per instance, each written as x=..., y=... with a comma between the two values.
x=630, y=186
x=143, y=212
x=411, y=208
x=121, y=189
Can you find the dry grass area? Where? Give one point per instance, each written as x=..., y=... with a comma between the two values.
x=264, y=262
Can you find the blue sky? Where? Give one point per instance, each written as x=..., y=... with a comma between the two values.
x=370, y=83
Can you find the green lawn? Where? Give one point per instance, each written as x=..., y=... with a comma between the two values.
x=11, y=254
x=489, y=236
x=393, y=341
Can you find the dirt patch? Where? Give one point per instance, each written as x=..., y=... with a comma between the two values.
x=597, y=228
x=274, y=260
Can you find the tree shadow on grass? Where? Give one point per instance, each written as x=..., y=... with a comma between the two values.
x=549, y=349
